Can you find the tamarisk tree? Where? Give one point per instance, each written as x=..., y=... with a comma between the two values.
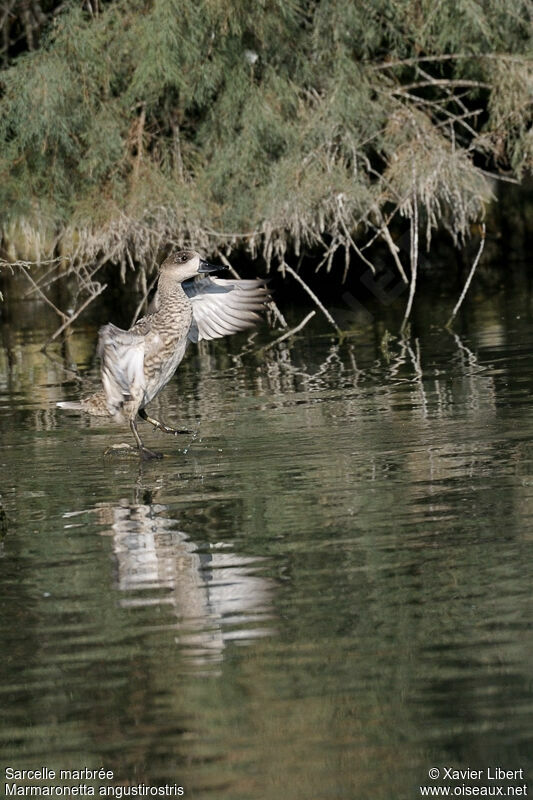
x=275, y=127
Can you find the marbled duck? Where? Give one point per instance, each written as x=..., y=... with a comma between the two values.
x=136, y=364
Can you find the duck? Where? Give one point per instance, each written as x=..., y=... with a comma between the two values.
x=188, y=306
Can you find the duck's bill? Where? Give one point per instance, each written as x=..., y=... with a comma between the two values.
x=206, y=267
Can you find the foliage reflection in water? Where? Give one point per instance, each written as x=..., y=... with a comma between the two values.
x=327, y=595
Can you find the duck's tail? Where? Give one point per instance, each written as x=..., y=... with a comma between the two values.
x=70, y=406
x=95, y=405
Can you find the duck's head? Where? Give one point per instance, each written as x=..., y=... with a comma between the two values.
x=184, y=264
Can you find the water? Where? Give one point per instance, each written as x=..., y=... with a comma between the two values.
x=328, y=594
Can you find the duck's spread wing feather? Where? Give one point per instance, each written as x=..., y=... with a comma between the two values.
x=221, y=307
x=122, y=366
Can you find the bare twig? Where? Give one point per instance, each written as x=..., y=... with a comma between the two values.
x=394, y=251
x=377, y=225
x=7, y=11
x=497, y=177
x=289, y=333
x=143, y=300
x=42, y=294
x=272, y=306
x=348, y=236
x=228, y=265
x=449, y=57
x=21, y=263
x=312, y=295
x=453, y=97
x=438, y=107
x=98, y=290
x=414, y=259
x=470, y=276
x=44, y=281
x=447, y=82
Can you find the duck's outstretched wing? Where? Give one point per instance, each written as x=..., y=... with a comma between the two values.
x=221, y=307
x=122, y=366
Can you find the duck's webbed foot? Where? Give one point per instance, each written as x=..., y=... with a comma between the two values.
x=161, y=425
x=144, y=452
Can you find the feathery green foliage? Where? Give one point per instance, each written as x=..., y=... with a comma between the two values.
x=274, y=126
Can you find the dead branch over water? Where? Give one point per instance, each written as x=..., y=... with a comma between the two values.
x=414, y=259
x=87, y=285
x=292, y=332
x=470, y=276
x=311, y=294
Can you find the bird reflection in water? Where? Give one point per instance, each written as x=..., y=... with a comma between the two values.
x=214, y=594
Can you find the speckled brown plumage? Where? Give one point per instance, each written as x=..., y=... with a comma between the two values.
x=136, y=364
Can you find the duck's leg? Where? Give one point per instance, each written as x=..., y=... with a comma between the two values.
x=160, y=425
x=144, y=451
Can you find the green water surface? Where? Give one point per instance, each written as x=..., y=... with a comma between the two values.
x=325, y=594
